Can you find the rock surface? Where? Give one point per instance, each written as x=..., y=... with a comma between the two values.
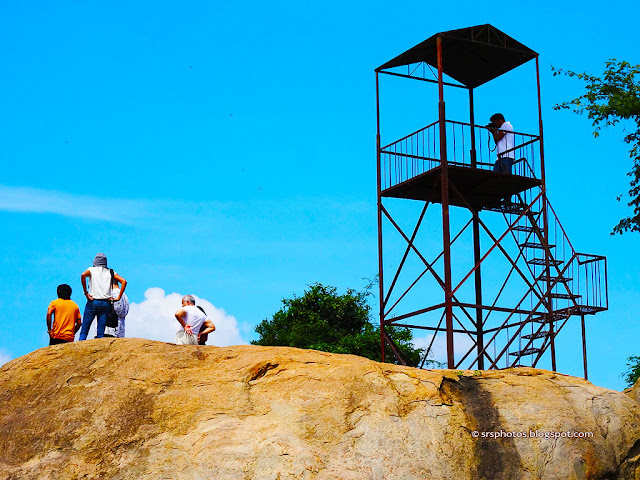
x=138, y=409
x=634, y=392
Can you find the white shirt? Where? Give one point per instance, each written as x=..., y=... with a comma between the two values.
x=506, y=142
x=100, y=283
x=194, y=317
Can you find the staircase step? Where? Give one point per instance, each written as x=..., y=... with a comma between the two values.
x=566, y=312
x=534, y=245
x=526, y=351
x=556, y=315
x=544, y=278
x=515, y=208
x=565, y=296
x=541, y=334
x=524, y=228
x=543, y=261
x=586, y=309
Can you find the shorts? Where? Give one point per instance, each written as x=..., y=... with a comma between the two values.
x=184, y=338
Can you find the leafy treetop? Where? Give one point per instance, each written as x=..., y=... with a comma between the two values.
x=608, y=100
x=323, y=320
x=633, y=371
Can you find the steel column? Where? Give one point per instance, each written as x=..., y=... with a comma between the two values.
x=444, y=189
x=476, y=244
x=584, y=347
x=472, y=122
x=379, y=203
x=478, y=288
x=545, y=221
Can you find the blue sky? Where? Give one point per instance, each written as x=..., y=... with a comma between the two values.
x=228, y=150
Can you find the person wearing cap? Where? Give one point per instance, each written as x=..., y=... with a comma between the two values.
x=99, y=294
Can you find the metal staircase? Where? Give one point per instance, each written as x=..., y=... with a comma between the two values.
x=561, y=295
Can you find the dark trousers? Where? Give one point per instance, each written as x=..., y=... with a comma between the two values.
x=93, y=309
x=503, y=165
x=57, y=341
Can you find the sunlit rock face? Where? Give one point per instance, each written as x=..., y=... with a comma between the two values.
x=634, y=392
x=138, y=409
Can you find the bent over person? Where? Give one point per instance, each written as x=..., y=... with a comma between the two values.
x=191, y=318
x=99, y=295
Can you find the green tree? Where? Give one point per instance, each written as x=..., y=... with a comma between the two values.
x=609, y=100
x=323, y=320
x=633, y=372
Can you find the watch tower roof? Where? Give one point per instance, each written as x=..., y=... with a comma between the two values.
x=472, y=56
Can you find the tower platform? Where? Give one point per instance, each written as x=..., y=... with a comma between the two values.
x=480, y=188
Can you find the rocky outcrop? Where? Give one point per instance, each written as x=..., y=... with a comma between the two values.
x=634, y=392
x=138, y=409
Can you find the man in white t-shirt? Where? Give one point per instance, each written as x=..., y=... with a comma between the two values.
x=503, y=135
x=191, y=318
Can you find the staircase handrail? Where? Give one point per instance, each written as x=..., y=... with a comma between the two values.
x=573, y=250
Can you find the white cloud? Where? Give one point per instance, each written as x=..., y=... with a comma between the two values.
x=4, y=357
x=264, y=213
x=461, y=345
x=154, y=319
x=36, y=200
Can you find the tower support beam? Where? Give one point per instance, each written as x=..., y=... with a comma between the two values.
x=444, y=195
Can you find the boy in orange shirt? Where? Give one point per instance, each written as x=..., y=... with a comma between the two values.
x=66, y=317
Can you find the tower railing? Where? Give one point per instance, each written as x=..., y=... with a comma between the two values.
x=592, y=283
x=565, y=282
x=576, y=282
x=467, y=146
x=587, y=272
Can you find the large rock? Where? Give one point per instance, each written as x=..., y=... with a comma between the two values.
x=634, y=391
x=137, y=409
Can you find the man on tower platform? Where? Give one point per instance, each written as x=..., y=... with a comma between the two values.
x=503, y=136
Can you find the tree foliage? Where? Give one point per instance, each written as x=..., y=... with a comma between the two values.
x=633, y=372
x=608, y=100
x=323, y=320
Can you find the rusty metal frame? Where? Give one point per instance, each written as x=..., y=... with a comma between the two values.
x=477, y=314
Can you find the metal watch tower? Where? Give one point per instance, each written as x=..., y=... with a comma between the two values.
x=484, y=261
